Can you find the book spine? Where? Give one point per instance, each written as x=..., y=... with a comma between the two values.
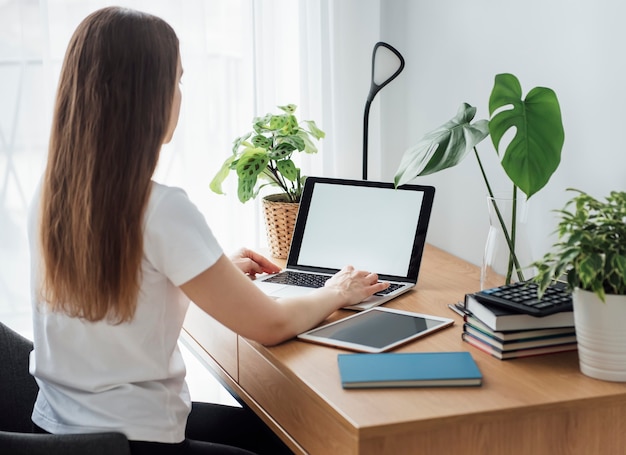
x=498, y=319
x=517, y=334
x=520, y=343
x=482, y=346
x=506, y=355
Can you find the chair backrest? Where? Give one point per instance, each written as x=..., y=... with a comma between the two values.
x=63, y=444
x=18, y=389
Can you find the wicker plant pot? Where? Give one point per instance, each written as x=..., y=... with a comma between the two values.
x=280, y=220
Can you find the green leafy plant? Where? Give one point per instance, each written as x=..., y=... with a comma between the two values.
x=529, y=159
x=591, y=246
x=263, y=156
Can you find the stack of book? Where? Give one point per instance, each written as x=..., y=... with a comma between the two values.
x=508, y=335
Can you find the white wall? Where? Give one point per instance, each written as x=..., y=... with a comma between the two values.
x=453, y=50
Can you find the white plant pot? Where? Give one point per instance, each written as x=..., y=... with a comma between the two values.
x=600, y=335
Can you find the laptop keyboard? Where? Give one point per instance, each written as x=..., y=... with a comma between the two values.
x=312, y=280
x=307, y=280
x=392, y=287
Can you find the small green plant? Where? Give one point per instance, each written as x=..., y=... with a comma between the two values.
x=530, y=158
x=591, y=246
x=266, y=154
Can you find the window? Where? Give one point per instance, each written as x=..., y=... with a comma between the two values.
x=222, y=42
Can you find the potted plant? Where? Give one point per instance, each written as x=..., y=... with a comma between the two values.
x=591, y=253
x=529, y=159
x=262, y=158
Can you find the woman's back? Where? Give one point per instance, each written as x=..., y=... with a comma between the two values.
x=123, y=374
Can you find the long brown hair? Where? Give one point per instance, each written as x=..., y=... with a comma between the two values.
x=111, y=115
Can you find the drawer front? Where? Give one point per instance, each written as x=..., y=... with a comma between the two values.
x=218, y=341
x=300, y=414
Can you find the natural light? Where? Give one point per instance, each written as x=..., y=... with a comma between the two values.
x=220, y=42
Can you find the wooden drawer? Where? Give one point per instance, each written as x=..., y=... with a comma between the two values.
x=218, y=341
x=282, y=397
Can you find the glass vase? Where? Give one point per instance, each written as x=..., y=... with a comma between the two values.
x=507, y=254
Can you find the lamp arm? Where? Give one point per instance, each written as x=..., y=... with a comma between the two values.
x=368, y=104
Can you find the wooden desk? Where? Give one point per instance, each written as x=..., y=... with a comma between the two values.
x=540, y=405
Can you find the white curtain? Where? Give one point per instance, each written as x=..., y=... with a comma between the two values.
x=217, y=54
x=337, y=39
x=241, y=58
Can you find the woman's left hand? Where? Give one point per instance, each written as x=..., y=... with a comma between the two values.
x=252, y=263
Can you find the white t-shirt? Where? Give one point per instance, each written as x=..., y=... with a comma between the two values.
x=128, y=377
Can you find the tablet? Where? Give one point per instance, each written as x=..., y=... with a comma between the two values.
x=376, y=330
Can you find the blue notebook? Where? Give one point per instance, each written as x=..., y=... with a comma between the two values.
x=412, y=369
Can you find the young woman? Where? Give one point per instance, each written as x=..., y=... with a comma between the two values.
x=116, y=257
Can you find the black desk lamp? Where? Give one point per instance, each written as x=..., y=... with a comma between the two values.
x=376, y=86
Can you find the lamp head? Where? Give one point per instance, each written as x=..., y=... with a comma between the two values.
x=387, y=63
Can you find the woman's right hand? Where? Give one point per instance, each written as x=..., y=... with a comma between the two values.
x=355, y=285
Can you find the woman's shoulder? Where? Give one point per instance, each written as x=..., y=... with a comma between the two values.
x=161, y=194
x=160, y=190
x=167, y=201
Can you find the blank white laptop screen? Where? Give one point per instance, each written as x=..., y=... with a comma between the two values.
x=374, y=228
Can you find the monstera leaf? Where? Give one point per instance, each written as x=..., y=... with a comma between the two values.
x=530, y=158
x=534, y=153
x=444, y=147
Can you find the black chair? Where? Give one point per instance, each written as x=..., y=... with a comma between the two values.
x=18, y=391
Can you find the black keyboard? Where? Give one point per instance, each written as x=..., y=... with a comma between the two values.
x=307, y=280
x=392, y=287
x=522, y=298
x=312, y=280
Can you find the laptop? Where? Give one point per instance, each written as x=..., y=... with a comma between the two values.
x=369, y=225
